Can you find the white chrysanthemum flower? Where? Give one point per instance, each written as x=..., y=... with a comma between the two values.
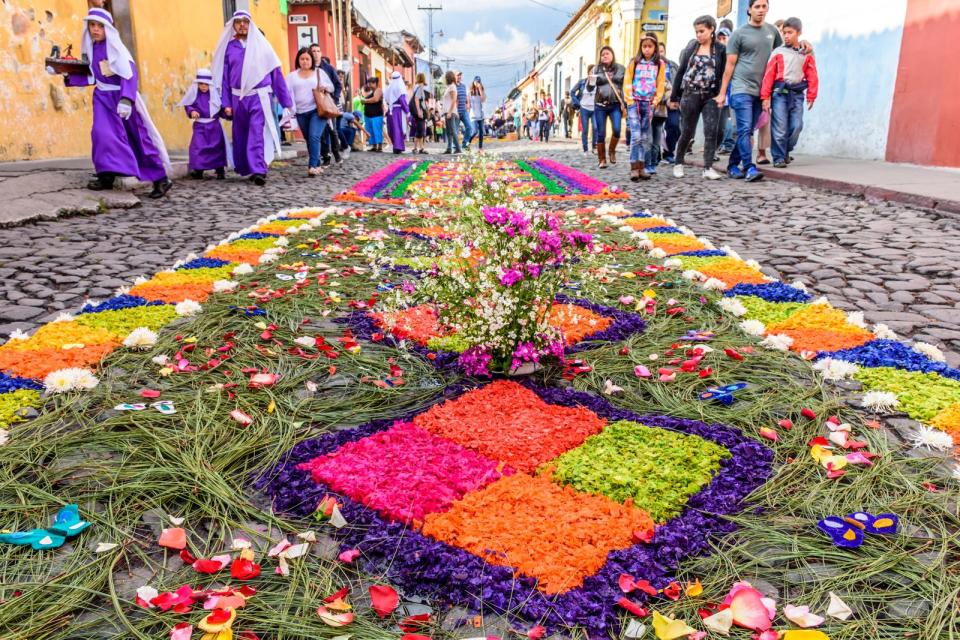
x=753, y=327
x=733, y=306
x=714, y=284
x=692, y=274
x=140, y=338
x=883, y=332
x=161, y=359
x=64, y=317
x=85, y=380
x=140, y=280
x=822, y=300
x=753, y=264
x=187, y=308
x=268, y=258
x=242, y=269
x=625, y=228
x=929, y=350
x=656, y=253
x=798, y=284
x=687, y=232
x=274, y=250
x=856, y=319
x=60, y=381
x=930, y=438
x=777, y=342
x=122, y=291
x=880, y=401
x=190, y=257
x=707, y=244
x=673, y=263
x=835, y=370
x=220, y=286
x=730, y=252
x=282, y=242
x=18, y=334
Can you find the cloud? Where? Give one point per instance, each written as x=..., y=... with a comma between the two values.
x=488, y=47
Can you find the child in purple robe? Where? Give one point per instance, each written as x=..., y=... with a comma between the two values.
x=125, y=140
x=249, y=75
x=395, y=98
x=208, y=147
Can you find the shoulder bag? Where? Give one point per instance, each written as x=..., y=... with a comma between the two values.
x=326, y=107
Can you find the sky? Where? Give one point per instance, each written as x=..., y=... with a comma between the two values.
x=487, y=38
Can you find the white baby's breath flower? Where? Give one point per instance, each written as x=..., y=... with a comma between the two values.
x=730, y=252
x=60, y=381
x=835, y=370
x=777, y=342
x=187, y=308
x=18, y=334
x=733, y=306
x=929, y=350
x=64, y=317
x=798, y=284
x=122, y=291
x=714, y=284
x=822, y=300
x=753, y=264
x=753, y=327
x=883, y=332
x=930, y=438
x=220, y=286
x=707, y=244
x=880, y=401
x=242, y=269
x=140, y=338
x=140, y=280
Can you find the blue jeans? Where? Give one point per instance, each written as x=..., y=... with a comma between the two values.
x=600, y=115
x=586, y=118
x=787, y=123
x=467, y=129
x=451, y=128
x=746, y=109
x=348, y=134
x=673, y=133
x=312, y=128
x=639, y=120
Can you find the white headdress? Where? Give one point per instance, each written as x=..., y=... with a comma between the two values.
x=260, y=58
x=204, y=76
x=118, y=56
x=395, y=89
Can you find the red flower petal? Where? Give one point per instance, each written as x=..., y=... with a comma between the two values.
x=633, y=607
x=536, y=632
x=218, y=616
x=414, y=623
x=349, y=556
x=243, y=569
x=339, y=595
x=384, y=599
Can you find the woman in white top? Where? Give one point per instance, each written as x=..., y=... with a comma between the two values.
x=450, y=116
x=301, y=82
x=478, y=95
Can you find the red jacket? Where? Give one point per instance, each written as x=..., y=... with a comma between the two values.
x=791, y=69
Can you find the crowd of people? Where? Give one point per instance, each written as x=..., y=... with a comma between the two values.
x=745, y=85
x=748, y=87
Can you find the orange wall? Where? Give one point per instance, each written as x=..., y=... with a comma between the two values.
x=926, y=103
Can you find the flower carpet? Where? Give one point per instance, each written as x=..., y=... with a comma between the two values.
x=431, y=181
x=268, y=441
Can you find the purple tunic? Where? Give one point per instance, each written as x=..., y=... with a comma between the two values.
x=249, y=119
x=208, y=148
x=398, y=110
x=122, y=147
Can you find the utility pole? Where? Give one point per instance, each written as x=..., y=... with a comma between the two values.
x=430, y=8
x=348, y=55
x=447, y=62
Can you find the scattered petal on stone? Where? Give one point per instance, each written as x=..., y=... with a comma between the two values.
x=838, y=608
x=103, y=547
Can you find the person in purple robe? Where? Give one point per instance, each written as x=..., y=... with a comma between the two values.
x=208, y=146
x=395, y=98
x=125, y=141
x=248, y=72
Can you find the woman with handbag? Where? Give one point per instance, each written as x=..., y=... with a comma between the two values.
x=308, y=85
x=608, y=104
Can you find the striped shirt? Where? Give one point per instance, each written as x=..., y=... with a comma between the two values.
x=461, y=98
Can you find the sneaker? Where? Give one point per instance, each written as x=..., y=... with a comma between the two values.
x=678, y=171
x=711, y=174
x=753, y=175
x=779, y=164
x=652, y=170
x=735, y=173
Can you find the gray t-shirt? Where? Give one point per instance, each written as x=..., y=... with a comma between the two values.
x=752, y=46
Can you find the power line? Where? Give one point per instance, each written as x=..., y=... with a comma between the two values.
x=547, y=6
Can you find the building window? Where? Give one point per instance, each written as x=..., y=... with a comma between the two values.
x=229, y=8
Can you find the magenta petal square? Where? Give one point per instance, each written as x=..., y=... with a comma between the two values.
x=404, y=472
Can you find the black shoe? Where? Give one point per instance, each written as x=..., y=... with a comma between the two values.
x=103, y=182
x=160, y=188
x=196, y=175
x=397, y=152
x=789, y=159
x=221, y=174
x=326, y=161
x=447, y=152
x=258, y=179
x=780, y=165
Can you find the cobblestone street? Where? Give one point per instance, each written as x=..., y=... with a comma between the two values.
x=894, y=262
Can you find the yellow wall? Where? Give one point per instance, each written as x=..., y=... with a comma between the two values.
x=173, y=39
x=39, y=117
